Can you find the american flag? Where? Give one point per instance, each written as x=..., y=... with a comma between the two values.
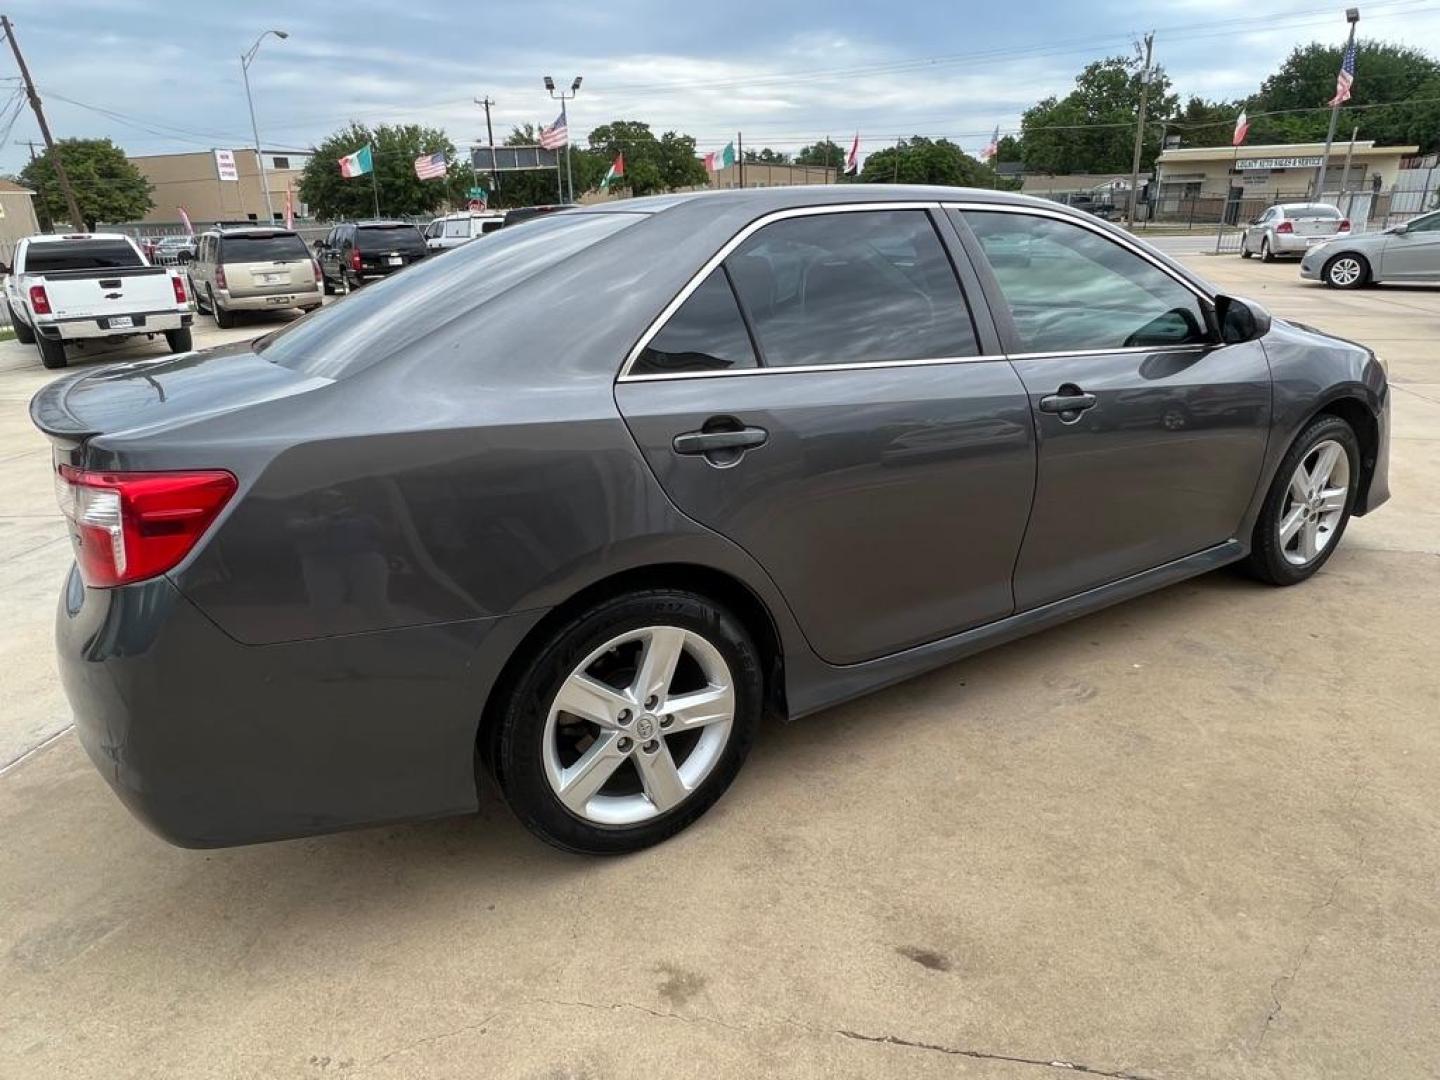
x=1346, y=78
x=430, y=166
x=556, y=135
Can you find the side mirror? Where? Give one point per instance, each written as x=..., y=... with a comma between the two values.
x=1401, y=229
x=1240, y=320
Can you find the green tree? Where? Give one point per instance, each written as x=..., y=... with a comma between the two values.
x=107, y=186
x=919, y=160
x=824, y=153
x=767, y=157
x=651, y=164
x=402, y=193
x=1092, y=128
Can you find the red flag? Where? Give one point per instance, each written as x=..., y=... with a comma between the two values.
x=185, y=218
x=1242, y=128
x=852, y=159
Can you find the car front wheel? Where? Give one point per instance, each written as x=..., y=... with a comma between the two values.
x=629, y=723
x=1346, y=271
x=1309, y=503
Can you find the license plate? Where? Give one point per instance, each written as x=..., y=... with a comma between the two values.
x=282, y=300
x=121, y=322
x=395, y=260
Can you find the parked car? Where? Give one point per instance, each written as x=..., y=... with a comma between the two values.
x=253, y=269
x=1409, y=251
x=795, y=445
x=452, y=230
x=85, y=287
x=356, y=252
x=1291, y=229
x=172, y=250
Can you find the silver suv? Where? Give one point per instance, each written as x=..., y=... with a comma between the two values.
x=256, y=269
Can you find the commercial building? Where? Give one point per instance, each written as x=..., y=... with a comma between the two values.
x=1266, y=173
x=220, y=185
x=17, y=217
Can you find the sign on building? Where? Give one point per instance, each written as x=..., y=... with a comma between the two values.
x=225, y=167
x=1278, y=163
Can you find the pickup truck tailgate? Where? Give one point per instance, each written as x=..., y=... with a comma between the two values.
x=88, y=294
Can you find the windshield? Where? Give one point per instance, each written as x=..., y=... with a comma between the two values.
x=80, y=255
x=276, y=248
x=387, y=237
x=365, y=327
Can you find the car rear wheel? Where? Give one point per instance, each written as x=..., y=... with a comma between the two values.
x=180, y=340
x=1266, y=255
x=223, y=319
x=52, y=352
x=629, y=723
x=23, y=333
x=1309, y=504
x=1347, y=271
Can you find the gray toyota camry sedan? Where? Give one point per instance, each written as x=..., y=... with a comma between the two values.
x=569, y=510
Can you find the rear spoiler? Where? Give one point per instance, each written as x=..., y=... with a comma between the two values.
x=48, y=410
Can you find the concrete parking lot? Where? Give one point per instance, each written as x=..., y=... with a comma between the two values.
x=1196, y=835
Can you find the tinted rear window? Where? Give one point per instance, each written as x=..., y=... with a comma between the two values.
x=1300, y=213
x=80, y=255
x=243, y=249
x=363, y=329
x=388, y=237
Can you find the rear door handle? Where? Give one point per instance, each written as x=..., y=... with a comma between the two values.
x=708, y=442
x=1075, y=401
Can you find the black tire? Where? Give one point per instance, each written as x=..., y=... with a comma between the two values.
x=225, y=320
x=180, y=340
x=52, y=352
x=1245, y=252
x=1266, y=255
x=23, y=333
x=196, y=293
x=1332, y=276
x=1267, y=559
x=325, y=286
x=513, y=745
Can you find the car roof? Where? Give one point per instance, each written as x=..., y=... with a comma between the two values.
x=255, y=230
x=381, y=223
x=50, y=239
x=767, y=200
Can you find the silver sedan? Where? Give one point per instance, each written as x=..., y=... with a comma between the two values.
x=1291, y=229
x=1406, y=252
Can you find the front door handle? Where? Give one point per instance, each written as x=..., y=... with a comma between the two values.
x=1069, y=403
x=710, y=442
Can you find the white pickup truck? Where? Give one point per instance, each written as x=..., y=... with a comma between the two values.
x=64, y=289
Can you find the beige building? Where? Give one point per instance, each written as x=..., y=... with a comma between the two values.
x=1275, y=171
x=17, y=217
x=219, y=185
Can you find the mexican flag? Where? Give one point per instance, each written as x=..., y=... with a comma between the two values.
x=357, y=164
x=723, y=160
x=617, y=170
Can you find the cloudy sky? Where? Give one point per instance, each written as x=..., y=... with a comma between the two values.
x=158, y=76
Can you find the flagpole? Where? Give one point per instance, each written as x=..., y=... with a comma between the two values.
x=375, y=181
x=1352, y=15
x=565, y=122
x=1225, y=203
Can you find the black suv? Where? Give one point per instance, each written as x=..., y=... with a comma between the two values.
x=356, y=251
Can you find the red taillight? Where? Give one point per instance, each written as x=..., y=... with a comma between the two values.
x=220, y=277
x=355, y=259
x=39, y=300
x=1285, y=227
x=130, y=526
x=179, y=284
x=1344, y=224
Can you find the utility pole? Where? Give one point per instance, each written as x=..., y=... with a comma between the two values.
x=1352, y=16
x=1140, y=129
x=485, y=104
x=76, y=221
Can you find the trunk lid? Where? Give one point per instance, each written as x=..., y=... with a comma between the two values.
x=88, y=294
x=147, y=395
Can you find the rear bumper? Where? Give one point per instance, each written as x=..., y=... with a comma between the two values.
x=211, y=743
x=1291, y=244
x=83, y=329
x=300, y=297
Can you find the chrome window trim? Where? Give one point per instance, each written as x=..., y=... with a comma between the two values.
x=1122, y=242
x=867, y=365
x=720, y=256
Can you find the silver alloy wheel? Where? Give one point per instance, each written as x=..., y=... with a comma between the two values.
x=1314, y=503
x=1345, y=270
x=667, y=691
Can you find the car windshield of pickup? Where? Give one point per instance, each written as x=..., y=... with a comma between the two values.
x=54, y=258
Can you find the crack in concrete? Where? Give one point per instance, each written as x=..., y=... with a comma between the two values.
x=662, y=1014
x=419, y=1042
x=984, y=1055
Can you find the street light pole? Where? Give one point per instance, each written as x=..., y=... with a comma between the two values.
x=246, y=59
x=1352, y=16
x=563, y=97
